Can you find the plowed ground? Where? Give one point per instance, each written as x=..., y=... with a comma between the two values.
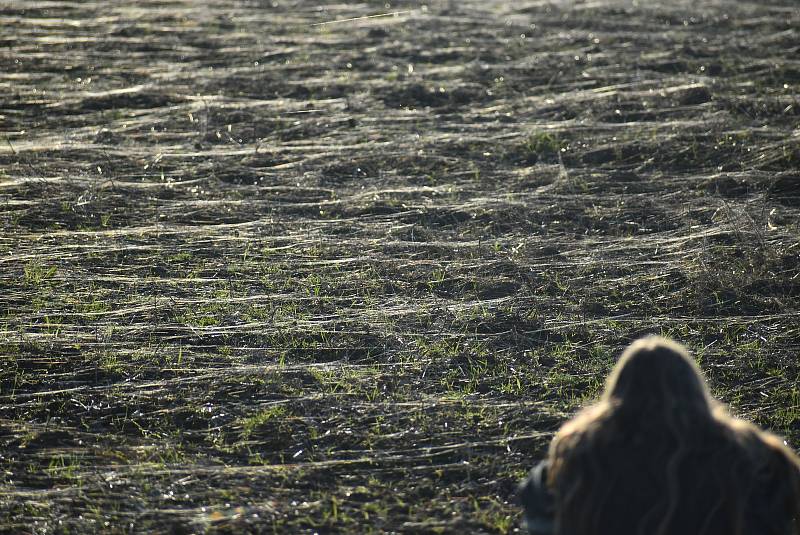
x=266, y=269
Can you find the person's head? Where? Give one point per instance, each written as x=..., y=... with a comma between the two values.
x=657, y=455
x=656, y=370
x=656, y=380
x=654, y=390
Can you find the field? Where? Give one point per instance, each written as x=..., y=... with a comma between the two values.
x=292, y=267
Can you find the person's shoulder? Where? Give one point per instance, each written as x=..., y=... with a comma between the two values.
x=776, y=467
x=766, y=449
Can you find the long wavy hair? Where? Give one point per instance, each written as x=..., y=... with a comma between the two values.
x=658, y=456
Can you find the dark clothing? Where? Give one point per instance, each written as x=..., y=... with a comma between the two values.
x=538, y=501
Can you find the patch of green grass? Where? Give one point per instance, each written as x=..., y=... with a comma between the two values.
x=36, y=273
x=66, y=468
x=787, y=409
x=262, y=417
x=111, y=363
